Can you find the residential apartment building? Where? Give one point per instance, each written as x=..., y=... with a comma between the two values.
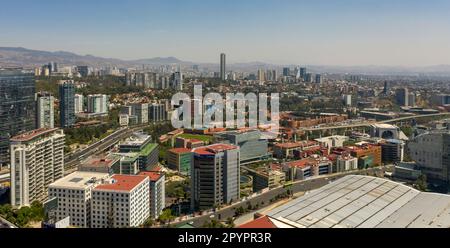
x=37, y=160
x=157, y=192
x=45, y=110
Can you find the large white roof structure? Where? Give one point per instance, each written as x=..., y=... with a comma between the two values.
x=364, y=202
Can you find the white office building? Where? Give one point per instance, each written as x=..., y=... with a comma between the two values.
x=74, y=195
x=37, y=160
x=157, y=192
x=79, y=103
x=346, y=163
x=122, y=201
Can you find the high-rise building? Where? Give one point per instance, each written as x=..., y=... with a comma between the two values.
x=74, y=194
x=412, y=99
x=401, y=96
x=308, y=77
x=67, y=104
x=121, y=201
x=347, y=100
x=222, y=66
x=17, y=107
x=386, y=88
x=157, y=192
x=141, y=111
x=141, y=144
x=303, y=73
x=261, y=75
x=319, y=79
x=97, y=103
x=83, y=70
x=79, y=103
x=177, y=80
x=157, y=112
x=392, y=151
x=45, y=117
x=37, y=160
x=286, y=72
x=215, y=176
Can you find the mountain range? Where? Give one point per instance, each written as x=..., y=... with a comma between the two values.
x=19, y=56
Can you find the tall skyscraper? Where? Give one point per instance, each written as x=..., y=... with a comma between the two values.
x=386, y=88
x=261, y=75
x=215, y=176
x=319, y=78
x=303, y=73
x=286, y=72
x=177, y=80
x=17, y=107
x=45, y=110
x=67, y=104
x=401, y=96
x=37, y=160
x=83, y=70
x=222, y=66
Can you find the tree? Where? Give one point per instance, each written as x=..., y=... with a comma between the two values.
x=230, y=222
x=149, y=223
x=421, y=183
x=166, y=216
x=213, y=224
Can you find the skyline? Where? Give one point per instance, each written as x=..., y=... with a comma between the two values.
x=348, y=33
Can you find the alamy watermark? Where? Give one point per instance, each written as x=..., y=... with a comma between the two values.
x=240, y=110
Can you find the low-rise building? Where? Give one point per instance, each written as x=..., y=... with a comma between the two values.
x=102, y=164
x=286, y=150
x=308, y=167
x=346, y=163
x=392, y=151
x=180, y=159
x=148, y=152
x=264, y=178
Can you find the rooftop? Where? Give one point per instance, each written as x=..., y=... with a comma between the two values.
x=122, y=183
x=100, y=161
x=180, y=150
x=154, y=176
x=32, y=134
x=262, y=222
x=356, y=201
x=79, y=180
x=213, y=149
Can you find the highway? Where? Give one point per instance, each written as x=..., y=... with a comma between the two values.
x=365, y=124
x=263, y=199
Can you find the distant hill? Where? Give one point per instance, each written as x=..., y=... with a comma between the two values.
x=19, y=56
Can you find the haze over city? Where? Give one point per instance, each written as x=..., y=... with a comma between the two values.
x=347, y=32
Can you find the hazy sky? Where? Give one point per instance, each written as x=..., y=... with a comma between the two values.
x=326, y=32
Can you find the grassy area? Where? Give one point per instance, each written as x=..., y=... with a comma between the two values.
x=205, y=138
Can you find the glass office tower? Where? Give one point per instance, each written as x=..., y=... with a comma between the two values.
x=17, y=107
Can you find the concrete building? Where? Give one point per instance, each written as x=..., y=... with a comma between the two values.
x=180, y=159
x=83, y=70
x=45, y=110
x=368, y=155
x=37, y=160
x=333, y=141
x=308, y=167
x=346, y=163
x=215, y=176
x=17, y=107
x=347, y=99
x=252, y=146
x=264, y=178
x=141, y=111
x=431, y=151
x=121, y=201
x=157, y=192
x=392, y=151
x=288, y=149
x=407, y=170
x=97, y=103
x=67, y=104
x=74, y=196
x=386, y=131
x=79, y=103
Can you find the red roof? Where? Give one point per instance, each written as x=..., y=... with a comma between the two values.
x=263, y=222
x=154, y=176
x=302, y=163
x=122, y=183
x=180, y=150
x=213, y=149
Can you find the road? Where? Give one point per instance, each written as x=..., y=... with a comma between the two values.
x=365, y=124
x=263, y=199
